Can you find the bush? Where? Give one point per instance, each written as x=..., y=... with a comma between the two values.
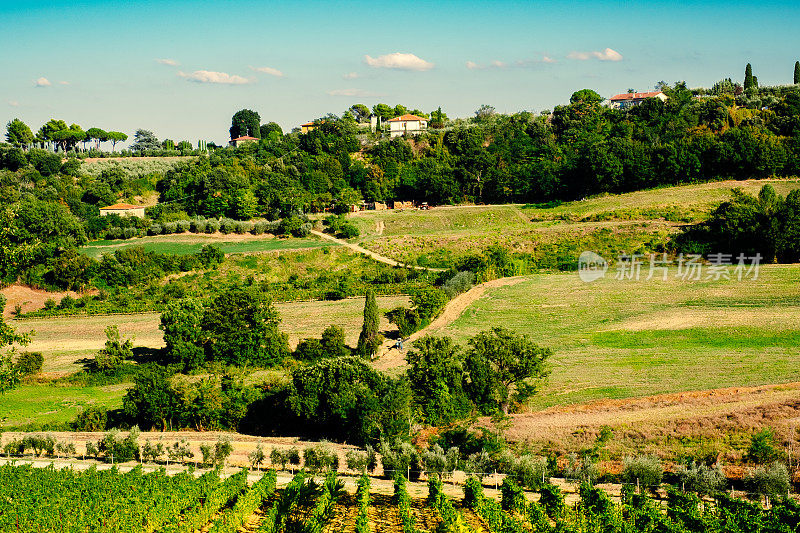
x=530, y=471
x=212, y=225
x=348, y=231
x=362, y=461
x=435, y=460
x=762, y=448
x=551, y=500
x=198, y=225
x=155, y=229
x=513, y=499
x=461, y=282
x=29, y=363
x=645, y=471
x=170, y=228
x=581, y=469
x=120, y=449
x=183, y=226
x=401, y=458
x=67, y=302
x=473, y=492
x=91, y=419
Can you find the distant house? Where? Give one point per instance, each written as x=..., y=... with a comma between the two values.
x=411, y=124
x=628, y=100
x=310, y=126
x=241, y=141
x=123, y=210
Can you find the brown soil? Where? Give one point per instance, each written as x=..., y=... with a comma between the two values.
x=32, y=299
x=383, y=515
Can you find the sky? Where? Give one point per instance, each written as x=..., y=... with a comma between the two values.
x=182, y=68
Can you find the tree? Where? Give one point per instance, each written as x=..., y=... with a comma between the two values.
x=10, y=373
x=503, y=368
x=369, y=340
x=269, y=128
x=115, y=352
x=97, y=135
x=333, y=343
x=45, y=133
x=116, y=137
x=245, y=122
x=796, y=72
x=769, y=481
x=484, y=112
x=68, y=138
x=180, y=322
x=19, y=134
x=144, y=140
x=241, y=327
x=586, y=96
x=645, y=471
x=436, y=377
x=149, y=401
x=360, y=112
x=749, y=81
x=438, y=118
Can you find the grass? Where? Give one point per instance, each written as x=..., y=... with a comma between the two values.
x=620, y=339
x=184, y=244
x=43, y=404
x=634, y=221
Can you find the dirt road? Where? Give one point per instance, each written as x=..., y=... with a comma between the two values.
x=377, y=257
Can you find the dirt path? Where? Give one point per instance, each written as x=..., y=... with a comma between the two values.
x=390, y=358
x=376, y=256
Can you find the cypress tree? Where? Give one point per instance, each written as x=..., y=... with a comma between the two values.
x=796, y=72
x=370, y=340
x=748, y=77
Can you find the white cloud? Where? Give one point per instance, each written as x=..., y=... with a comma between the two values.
x=548, y=59
x=13, y=103
x=398, y=61
x=351, y=76
x=472, y=65
x=209, y=76
x=358, y=93
x=42, y=82
x=62, y=82
x=268, y=70
x=606, y=55
x=168, y=62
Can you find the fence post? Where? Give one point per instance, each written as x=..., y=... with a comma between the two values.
x=495, y=479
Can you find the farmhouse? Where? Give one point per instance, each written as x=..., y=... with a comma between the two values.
x=123, y=210
x=407, y=124
x=241, y=141
x=310, y=126
x=628, y=100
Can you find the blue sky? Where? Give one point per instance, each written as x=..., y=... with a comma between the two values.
x=182, y=68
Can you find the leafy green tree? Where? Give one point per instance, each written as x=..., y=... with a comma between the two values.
x=10, y=373
x=645, y=471
x=333, y=342
x=144, y=140
x=438, y=118
x=97, y=135
x=749, y=80
x=68, y=138
x=370, y=340
x=796, y=72
x=504, y=369
x=436, y=377
x=484, y=113
x=269, y=128
x=346, y=398
x=383, y=111
x=770, y=481
x=116, y=137
x=360, y=112
x=150, y=401
x=183, y=337
x=245, y=122
x=115, y=352
x=241, y=327
x=19, y=134
x=45, y=133
x=762, y=448
x=586, y=96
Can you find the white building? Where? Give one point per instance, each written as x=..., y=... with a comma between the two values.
x=628, y=100
x=411, y=124
x=123, y=210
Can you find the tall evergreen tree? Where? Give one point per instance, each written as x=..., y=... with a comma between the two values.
x=748, y=77
x=370, y=340
x=796, y=72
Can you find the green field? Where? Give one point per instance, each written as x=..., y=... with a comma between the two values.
x=183, y=244
x=55, y=403
x=633, y=221
x=618, y=339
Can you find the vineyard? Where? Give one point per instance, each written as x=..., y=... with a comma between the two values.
x=47, y=499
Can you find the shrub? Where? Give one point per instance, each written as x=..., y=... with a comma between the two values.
x=155, y=229
x=762, y=448
x=49, y=304
x=180, y=451
x=67, y=302
x=551, y=500
x=29, y=363
x=278, y=457
x=473, y=492
x=361, y=461
x=530, y=471
x=120, y=449
x=183, y=226
x=644, y=471
x=212, y=225
x=435, y=460
x=581, y=469
x=152, y=452
x=461, y=282
x=513, y=498
x=227, y=225
x=170, y=227
x=348, y=231
x=401, y=458
x=198, y=225
x=91, y=419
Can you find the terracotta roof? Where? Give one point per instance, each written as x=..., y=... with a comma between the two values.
x=123, y=206
x=314, y=123
x=635, y=96
x=406, y=118
x=245, y=138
